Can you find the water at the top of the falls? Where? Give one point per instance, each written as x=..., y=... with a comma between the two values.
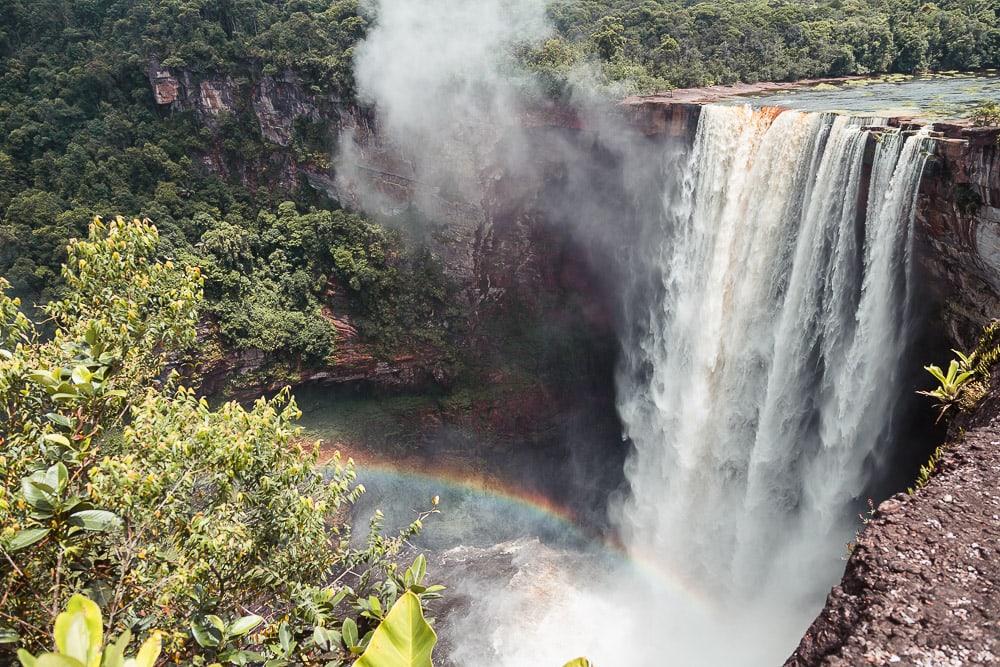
x=762, y=373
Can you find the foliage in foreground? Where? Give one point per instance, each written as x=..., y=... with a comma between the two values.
x=79, y=639
x=403, y=638
x=214, y=526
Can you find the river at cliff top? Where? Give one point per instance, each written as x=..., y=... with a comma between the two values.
x=930, y=97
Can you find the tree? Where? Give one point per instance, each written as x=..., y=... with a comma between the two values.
x=121, y=484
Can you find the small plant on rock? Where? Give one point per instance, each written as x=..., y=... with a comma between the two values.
x=950, y=384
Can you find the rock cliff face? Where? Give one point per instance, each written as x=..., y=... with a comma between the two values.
x=276, y=103
x=959, y=215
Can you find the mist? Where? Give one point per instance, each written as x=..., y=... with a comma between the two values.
x=741, y=292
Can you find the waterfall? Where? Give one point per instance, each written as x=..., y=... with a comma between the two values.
x=762, y=360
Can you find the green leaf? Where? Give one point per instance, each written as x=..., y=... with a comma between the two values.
x=79, y=631
x=37, y=494
x=403, y=639
x=284, y=637
x=57, y=438
x=60, y=420
x=8, y=635
x=244, y=625
x=579, y=662
x=419, y=569
x=349, y=632
x=26, y=538
x=206, y=636
x=114, y=652
x=148, y=652
x=27, y=660
x=56, y=660
x=57, y=476
x=81, y=375
x=96, y=520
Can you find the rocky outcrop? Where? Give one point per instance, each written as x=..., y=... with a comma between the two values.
x=276, y=101
x=958, y=211
x=922, y=585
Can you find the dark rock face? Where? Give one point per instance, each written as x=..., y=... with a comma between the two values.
x=958, y=211
x=922, y=586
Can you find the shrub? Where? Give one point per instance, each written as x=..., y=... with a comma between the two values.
x=120, y=484
x=986, y=114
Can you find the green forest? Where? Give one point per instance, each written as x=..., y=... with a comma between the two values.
x=136, y=517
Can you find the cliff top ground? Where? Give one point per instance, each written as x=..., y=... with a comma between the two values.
x=922, y=586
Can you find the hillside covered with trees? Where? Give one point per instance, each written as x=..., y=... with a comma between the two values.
x=81, y=134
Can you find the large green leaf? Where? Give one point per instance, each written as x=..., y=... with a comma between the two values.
x=56, y=660
x=26, y=538
x=206, y=635
x=148, y=653
x=403, y=639
x=97, y=520
x=79, y=631
x=244, y=625
x=38, y=494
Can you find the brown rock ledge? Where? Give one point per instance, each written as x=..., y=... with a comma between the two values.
x=922, y=586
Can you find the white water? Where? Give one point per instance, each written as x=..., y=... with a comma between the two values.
x=763, y=377
x=767, y=324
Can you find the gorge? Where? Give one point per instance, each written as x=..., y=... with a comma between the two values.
x=657, y=332
x=764, y=274
x=771, y=273
x=833, y=211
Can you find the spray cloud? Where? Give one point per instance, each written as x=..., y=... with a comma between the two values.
x=739, y=276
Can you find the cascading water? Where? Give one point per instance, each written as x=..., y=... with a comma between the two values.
x=767, y=321
x=763, y=370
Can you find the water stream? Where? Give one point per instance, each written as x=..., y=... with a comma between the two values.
x=763, y=377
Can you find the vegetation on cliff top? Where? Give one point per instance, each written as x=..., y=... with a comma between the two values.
x=80, y=132
x=674, y=43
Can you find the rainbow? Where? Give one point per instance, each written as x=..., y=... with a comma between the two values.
x=461, y=481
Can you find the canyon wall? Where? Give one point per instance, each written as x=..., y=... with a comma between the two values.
x=502, y=249
x=921, y=583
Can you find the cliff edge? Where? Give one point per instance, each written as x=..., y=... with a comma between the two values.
x=922, y=585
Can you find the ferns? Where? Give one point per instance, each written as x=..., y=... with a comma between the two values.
x=927, y=470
